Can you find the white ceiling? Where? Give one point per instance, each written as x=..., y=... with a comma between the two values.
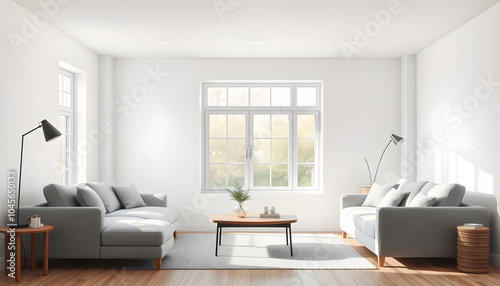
x=286, y=28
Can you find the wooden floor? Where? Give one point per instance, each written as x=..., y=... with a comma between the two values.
x=397, y=272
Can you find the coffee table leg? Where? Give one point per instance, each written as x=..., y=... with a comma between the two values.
x=286, y=231
x=217, y=240
x=290, y=229
x=220, y=235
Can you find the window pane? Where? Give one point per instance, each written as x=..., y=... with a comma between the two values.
x=260, y=96
x=261, y=150
x=236, y=126
x=217, y=150
x=217, y=126
x=280, y=175
x=280, y=151
x=280, y=126
x=66, y=84
x=216, y=96
x=305, y=175
x=236, y=150
x=305, y=150
x=306, y=126
x=217, y=175
x=306, y=96
x=236, y=175
x=280, y=96
x=60, y=98
x=68, y=99
x=60, y=82
x=237, y=96
x=261, y=125
x=261, y=175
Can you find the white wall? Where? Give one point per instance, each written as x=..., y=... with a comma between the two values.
x=29, y=93
x=453, y=101
x=157, y=141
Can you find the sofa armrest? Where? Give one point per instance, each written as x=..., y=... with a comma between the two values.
x=352, y=200
x=155, y=200
x=77, y=230
x=423, y=231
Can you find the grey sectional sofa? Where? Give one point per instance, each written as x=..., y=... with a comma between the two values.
x=84, y=226
x=404, y=231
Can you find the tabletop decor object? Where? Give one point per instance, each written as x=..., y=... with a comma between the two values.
x=239, y=195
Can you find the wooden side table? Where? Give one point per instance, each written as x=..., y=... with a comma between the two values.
x=473, y=249
x=17, y=234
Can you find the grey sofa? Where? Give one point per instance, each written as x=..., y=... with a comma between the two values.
x=403, y=231
x=91, y=232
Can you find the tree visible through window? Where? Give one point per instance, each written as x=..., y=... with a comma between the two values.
x=262, y=136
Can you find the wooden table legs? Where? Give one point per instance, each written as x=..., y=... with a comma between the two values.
x=45, y=253
x=18, y=257
x=33, y=251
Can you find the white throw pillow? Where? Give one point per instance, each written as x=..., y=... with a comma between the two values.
x=376, y=194
x=421, y=200
x=392, y=198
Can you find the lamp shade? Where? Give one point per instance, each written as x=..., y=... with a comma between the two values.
x=49, y=131
x=396, y=139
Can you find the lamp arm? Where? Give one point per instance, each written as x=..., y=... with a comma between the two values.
x=369, y=171
x=21, y=171
x=380, y=160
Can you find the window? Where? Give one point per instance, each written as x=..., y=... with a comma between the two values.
x=66, y=104
x=263, y=136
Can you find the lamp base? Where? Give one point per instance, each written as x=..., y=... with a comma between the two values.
x=21, y=225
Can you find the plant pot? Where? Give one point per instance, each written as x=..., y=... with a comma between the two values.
x=240, y=210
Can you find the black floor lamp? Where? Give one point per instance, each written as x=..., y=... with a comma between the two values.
x=394, y=139
x=50, y=133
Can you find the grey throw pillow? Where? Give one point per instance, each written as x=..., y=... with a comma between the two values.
x=107, y=196
x=421, y=200
x=129, y=197
x=60, y=196
x=413, y=188
x=376, y=194
x=447, y=194
x=89, y=198
x=392, y=198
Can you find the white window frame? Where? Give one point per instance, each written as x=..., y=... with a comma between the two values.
x=293, y=110
x=68, y=170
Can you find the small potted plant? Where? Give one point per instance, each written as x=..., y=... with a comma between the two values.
x=239, y=195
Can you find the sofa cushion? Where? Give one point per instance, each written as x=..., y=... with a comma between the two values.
x=376, y=194
x=134, y=231
x=366, y=224
x=89, y=198
x=160, y=213
x=421, y=200
x=107, y=195
x=129, y=197
x=393, y=198
x=447, y=194
x=413, y=188
x=60, y=196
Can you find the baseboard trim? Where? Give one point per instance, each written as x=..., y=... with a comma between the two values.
x=495, y=259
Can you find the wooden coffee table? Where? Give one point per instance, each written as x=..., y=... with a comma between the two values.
x=33, y=231
x=252, y=220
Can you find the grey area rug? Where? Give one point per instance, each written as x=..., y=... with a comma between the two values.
x=257, y=251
